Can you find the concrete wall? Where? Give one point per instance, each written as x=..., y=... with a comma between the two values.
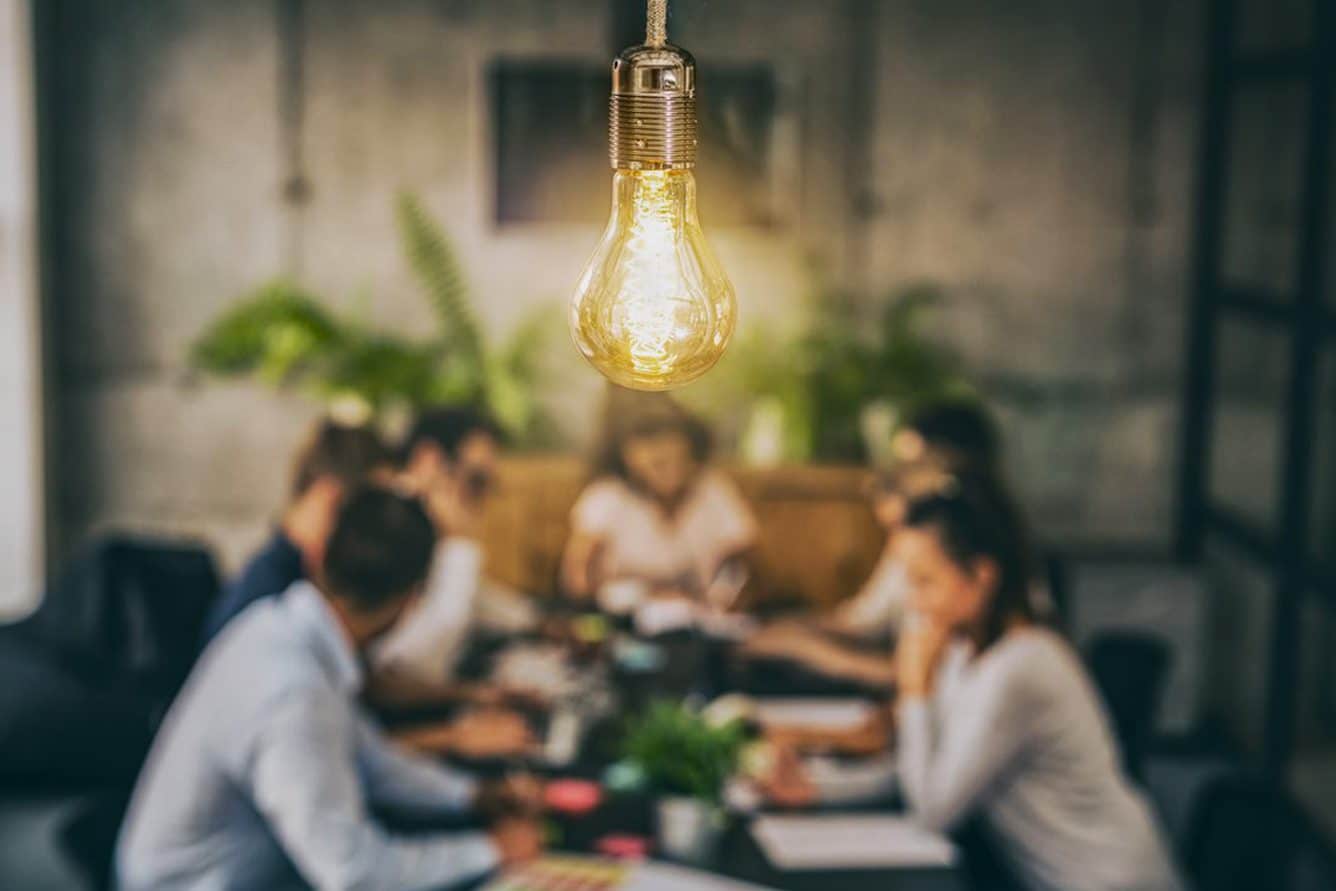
x=1036, y=158
x=1033, y=158
x=23, y=511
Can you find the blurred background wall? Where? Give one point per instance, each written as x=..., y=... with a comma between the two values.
x=1034, y=160
x=22, y=511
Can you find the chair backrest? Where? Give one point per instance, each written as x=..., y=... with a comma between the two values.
x=1130, y=669
x=1232, y=837
x=128, y=611
x=107, y=651
x=982, y=859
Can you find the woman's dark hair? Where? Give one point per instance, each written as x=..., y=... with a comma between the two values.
x=348, y=454
x=447, y=428
x=976, y=518
x=962, y=429
x=630, y=414
x=380, y=549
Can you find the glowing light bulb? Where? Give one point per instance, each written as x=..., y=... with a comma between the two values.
x=653, y=309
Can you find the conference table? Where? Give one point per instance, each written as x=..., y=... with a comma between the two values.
x=703, y=667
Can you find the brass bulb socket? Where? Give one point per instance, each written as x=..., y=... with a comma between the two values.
x=652, y=113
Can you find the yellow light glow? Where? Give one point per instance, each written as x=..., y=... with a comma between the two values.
x=653, y=309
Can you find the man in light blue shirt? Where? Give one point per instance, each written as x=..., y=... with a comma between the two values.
x=265, y=769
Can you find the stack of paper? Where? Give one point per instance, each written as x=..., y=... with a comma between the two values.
x=834, y=714
x=850, y=842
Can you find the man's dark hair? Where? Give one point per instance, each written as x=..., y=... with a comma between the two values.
x=349, y=454
x=964, y=430
x=380, y=549
x=447, y=428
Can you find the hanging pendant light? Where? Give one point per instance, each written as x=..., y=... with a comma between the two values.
x=653, y=309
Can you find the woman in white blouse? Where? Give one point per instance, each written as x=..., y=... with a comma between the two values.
x=996, y=715
x=655, y=513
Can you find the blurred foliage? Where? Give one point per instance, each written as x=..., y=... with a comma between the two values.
x=285, y=337
x=852, y=363
x=680, y=752
x=820, y=378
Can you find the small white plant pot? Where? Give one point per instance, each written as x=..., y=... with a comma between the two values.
x=689, y=829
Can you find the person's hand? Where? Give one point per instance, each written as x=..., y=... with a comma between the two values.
x=783, y=640
x=787, y=784
x=454, y=510
x=517, y=841
x=917, y=653
x=870, y=737
x=390, y=687
x=490, y=733
x=519, y=795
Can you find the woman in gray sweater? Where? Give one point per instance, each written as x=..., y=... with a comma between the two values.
x=996, y=714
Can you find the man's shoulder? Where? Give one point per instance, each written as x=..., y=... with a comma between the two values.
x=269, y=571
x=262, y=650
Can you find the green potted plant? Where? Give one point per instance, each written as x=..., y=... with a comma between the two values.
x=864, y=376
x=686, y=760
x=286, y=337
x=833, y=386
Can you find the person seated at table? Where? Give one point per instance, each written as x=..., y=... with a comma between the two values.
x=996, y=716
x=935, y=440
x=266, y=767
x=334, y=459
x=449, y=457
x=656, y=513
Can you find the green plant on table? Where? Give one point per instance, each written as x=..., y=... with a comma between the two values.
x=286, y=337
x=681, y=753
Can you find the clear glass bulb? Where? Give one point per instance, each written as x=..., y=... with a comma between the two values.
x=654, y=309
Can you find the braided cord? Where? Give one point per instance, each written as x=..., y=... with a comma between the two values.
x=656, y=23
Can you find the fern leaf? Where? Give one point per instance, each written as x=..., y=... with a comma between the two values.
x=437, y=267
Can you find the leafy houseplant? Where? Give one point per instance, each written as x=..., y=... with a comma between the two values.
x=837, y=384
x=683, y=754
x=285, y=337
x=854, y=366
x=687, y=760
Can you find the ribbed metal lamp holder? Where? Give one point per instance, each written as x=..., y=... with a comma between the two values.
x=652, y=116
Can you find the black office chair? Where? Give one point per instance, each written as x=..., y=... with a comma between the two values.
x=1232, y=837
x=986, y=868
x=91, y=674
x=1130, y=669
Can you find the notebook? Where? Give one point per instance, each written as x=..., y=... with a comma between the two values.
x=814, y=713
x=850, y=842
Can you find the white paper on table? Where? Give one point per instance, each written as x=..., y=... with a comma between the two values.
x=662, y=616
x=823, y=714
x=658, y=876
x=852, y=781
x=850, y=842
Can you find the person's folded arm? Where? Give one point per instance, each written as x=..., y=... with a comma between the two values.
x=304, y=781
x=396, y=777
x=847, y=663
x=948, y=762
